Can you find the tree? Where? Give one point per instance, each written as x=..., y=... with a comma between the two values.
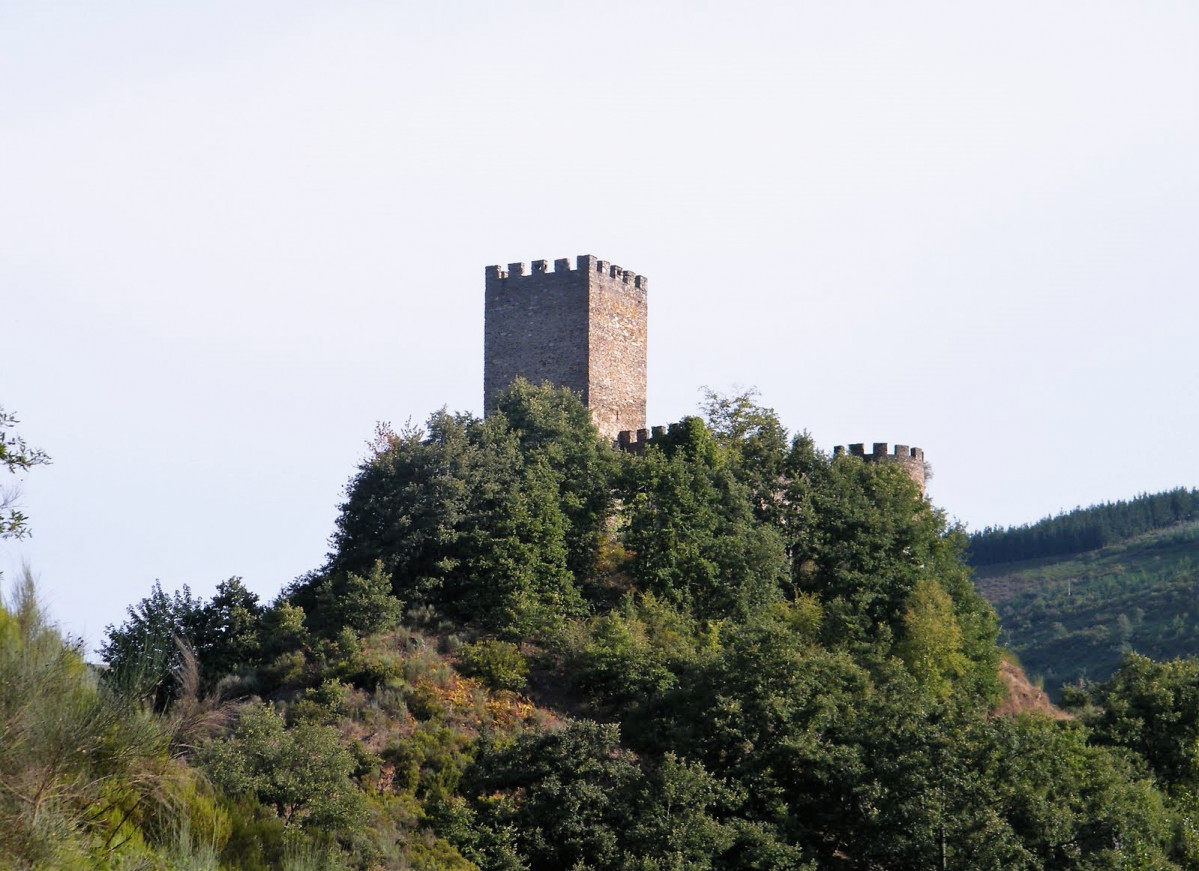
x=363, y=603
x=553, y=425
x=931, y=645
x=479, y=518
x=15, y=457
x=228, y=635
x=303, y=773
x=755, y=440
x=574, y=798
x=692, y=529
x=1153, y=708
x=144, y=653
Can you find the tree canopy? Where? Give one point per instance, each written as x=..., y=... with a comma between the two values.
x=730, y=650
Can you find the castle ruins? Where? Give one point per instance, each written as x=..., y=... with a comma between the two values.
x=585, y=327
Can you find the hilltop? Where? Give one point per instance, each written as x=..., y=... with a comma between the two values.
x=529, y=650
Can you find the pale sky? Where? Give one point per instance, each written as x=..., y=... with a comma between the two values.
x=233, y=236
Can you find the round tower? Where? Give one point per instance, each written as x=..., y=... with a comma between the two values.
x=911, y=460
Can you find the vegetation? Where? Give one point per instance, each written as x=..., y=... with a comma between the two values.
x=1072, y=619
x=89, y=778
x=1084, y=529
x=15, y=457
x=530, y=651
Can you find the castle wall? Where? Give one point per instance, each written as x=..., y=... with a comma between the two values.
x=584, y=328
x=616, y=354
x=535, y=326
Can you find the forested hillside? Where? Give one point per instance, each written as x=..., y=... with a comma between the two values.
x=1083, y=529
x=530, y=651
x=1072, y=618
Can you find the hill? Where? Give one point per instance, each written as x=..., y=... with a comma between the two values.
x=1073, y=617
x=530, y=651
x=1084, y=529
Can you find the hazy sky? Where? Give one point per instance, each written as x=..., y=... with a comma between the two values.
x=234, y=235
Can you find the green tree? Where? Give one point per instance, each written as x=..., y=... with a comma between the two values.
x=145, y=653
x=673, y=826
x=363, y=603
x=499, y=664
x=1068, y=803
x=406, y=504
x=931, y=644
x=283, y=629
x=228, y=634
x=554, y=426
x=756, y=442
x=861, y=538
x=303, y=773
x=1152, y=708
x=692, y=530
x=573, y=798
x=478, y=518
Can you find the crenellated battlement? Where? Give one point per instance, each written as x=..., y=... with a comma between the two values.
x=635, y=441
x=909, y=458
x=583, y=263
x=879, y=451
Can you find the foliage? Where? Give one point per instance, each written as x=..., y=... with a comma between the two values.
x=362, y=603
x=692, y=529
x=554, y=427
x=565, y=799
x=478, y=518
x=146, y=653
x=86, y=775
x=499, y=664
x=931, y=645
x=634, y=653
x=1072, y=619
x=228, y=634
x=1084, y=529
x=787, y=651
x=15, y=457
x=1153, y=708
x=303, y=772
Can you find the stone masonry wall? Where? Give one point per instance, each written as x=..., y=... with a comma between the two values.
x=583, y=328
x=535, y=325
x=616, y=355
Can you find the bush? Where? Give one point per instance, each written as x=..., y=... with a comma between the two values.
x=499, y=664
x=303, y=773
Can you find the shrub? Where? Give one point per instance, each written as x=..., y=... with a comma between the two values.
x=499, y=664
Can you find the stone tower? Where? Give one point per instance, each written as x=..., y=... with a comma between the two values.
x=583, y=328
x=911, y=460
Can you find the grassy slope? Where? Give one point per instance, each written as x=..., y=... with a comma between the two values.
x=1073, y=617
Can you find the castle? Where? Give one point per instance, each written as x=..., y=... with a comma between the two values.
x=585, y=328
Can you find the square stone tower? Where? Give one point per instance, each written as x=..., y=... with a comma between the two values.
x=583, y=328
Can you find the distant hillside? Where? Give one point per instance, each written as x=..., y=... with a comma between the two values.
x=1084, y=529
x=1074, y=616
